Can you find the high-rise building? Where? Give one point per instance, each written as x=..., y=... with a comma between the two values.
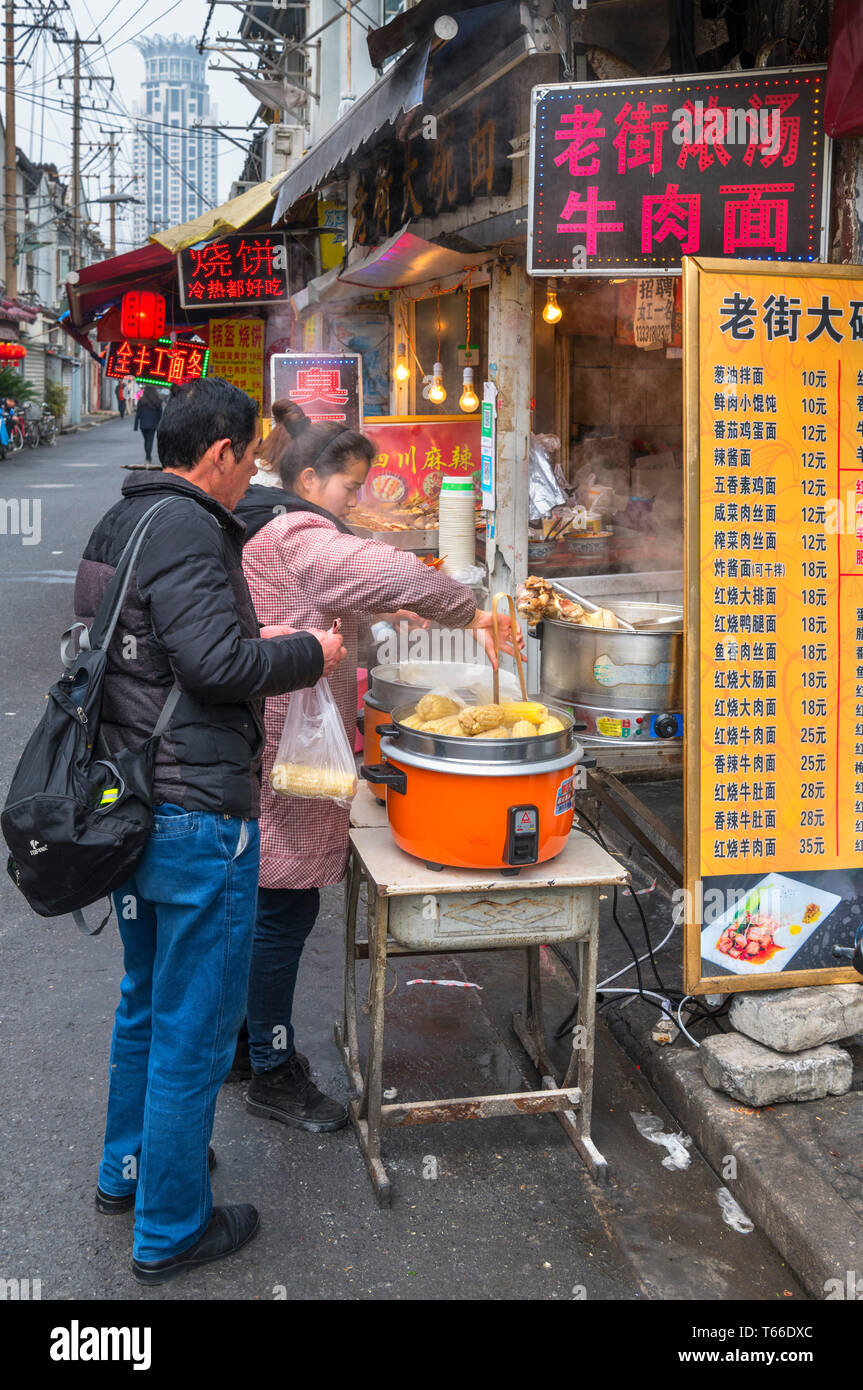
x=176, y=161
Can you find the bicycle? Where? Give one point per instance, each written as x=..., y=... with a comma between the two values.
x=16, y=429
x=47, y=427
x=31, y=428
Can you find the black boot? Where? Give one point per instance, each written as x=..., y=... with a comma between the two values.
x=230, y=1229
x=241, y=1067
x=288, y=1094
x=112, y=1206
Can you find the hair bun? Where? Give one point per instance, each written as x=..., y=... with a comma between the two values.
x=289, y=415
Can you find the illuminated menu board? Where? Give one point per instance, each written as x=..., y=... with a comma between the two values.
x=774, y=706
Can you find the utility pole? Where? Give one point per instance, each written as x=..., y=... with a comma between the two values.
x=10, y=219
x=112, y=150
x=77, y=44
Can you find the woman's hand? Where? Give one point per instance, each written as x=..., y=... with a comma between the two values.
x=333, y=648
x=483, y=624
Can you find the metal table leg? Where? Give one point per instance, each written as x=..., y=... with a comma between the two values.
x=346, y=1033
x=366, y=1112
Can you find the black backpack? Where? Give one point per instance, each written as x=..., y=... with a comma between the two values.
x=77, y=818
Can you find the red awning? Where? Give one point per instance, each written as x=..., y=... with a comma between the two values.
x=103, y=284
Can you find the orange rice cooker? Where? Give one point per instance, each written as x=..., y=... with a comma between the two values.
x=477, y=803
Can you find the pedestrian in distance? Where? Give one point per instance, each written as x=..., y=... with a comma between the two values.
x=132, y=392
x=148, y=413
x=120, y=393
x=186, y=915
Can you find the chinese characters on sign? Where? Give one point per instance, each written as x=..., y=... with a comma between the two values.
x=777, y=731
x=326, y=387
x=161, y=363
x=251, y=268
x=237, y=354
x=414, y=454
x=631, y=176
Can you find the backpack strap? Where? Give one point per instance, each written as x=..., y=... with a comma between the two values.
x=81, y=922
x=108, y=613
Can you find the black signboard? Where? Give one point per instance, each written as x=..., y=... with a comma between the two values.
x=628, y=177
x=327, y=386
x=251, y=268
x=464, y=157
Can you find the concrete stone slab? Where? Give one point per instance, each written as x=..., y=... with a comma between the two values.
x=792, y=1020
x=759, y=1076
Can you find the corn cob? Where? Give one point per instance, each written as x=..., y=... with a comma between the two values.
x=435, y=707
x=448, y=725
x=550, y=726
x=413, y=721
x=523, y=728
x=296, y=779
x=500, y=732
x=523, y=709
x=476, y=719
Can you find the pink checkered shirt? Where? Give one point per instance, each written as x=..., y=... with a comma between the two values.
x=303, y=571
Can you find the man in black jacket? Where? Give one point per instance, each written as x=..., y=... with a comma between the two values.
x=186, y=915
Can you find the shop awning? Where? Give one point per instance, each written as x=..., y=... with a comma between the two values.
x=230, y=217
x=94, y=287
x=406, y=259
x=400, y=90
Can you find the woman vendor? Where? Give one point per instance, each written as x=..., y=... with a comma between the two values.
x=305, y=569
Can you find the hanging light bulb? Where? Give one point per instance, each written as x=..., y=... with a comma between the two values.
x=552, y=313
x=437, y=390
x=468, y=400
x=403, y=371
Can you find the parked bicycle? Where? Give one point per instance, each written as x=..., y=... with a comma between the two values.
x=11, y=429
x=31, y=427
x=47, y=424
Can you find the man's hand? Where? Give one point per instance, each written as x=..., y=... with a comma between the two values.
x=333, y=647
x=482, y=624
x=278, y=630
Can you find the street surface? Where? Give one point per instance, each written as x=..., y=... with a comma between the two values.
x=510, y=1214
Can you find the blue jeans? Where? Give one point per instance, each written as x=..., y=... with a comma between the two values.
x=285, y=918
x=186, y=918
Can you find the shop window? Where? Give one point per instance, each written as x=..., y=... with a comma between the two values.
x=609, y=384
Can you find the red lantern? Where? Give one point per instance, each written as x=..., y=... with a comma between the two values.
x=142, y=314
x=12, y=352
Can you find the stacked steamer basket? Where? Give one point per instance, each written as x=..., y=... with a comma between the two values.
x=457, y=524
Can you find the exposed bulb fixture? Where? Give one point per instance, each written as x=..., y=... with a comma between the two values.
x=437, y=390
x=403, y=371
x=552, y=313
x=468, y=400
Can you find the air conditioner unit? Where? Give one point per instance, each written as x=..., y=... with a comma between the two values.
x=283, y=148
x=242, y=186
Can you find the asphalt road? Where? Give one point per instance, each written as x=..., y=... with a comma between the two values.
x=510, y=1214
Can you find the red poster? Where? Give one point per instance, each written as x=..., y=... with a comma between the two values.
x=415, y=451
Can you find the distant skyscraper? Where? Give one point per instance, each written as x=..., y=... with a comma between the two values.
x=176, y=161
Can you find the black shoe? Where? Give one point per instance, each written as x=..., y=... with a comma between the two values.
x=241, y=1067
x=287, y=1093
x=230, y=1229
x=112, y=1206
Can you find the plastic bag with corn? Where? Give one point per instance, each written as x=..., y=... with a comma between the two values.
x=314, y=759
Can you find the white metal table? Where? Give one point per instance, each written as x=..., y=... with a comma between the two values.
x=414, y=910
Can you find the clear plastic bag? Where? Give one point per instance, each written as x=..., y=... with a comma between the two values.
x=314, y=759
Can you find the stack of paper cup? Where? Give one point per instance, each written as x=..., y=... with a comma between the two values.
x=457, y=525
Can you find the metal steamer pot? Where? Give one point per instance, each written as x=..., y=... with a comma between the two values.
x=387, y=691
x=477, y=803
x=624, y=685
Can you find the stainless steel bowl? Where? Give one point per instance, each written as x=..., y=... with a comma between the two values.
x=611, y=668
x=488, y=752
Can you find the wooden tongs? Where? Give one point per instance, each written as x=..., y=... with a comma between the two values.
x=517, y=650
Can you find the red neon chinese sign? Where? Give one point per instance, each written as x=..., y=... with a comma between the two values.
x=157, y=364
x=251, y=268
x=628, y=177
